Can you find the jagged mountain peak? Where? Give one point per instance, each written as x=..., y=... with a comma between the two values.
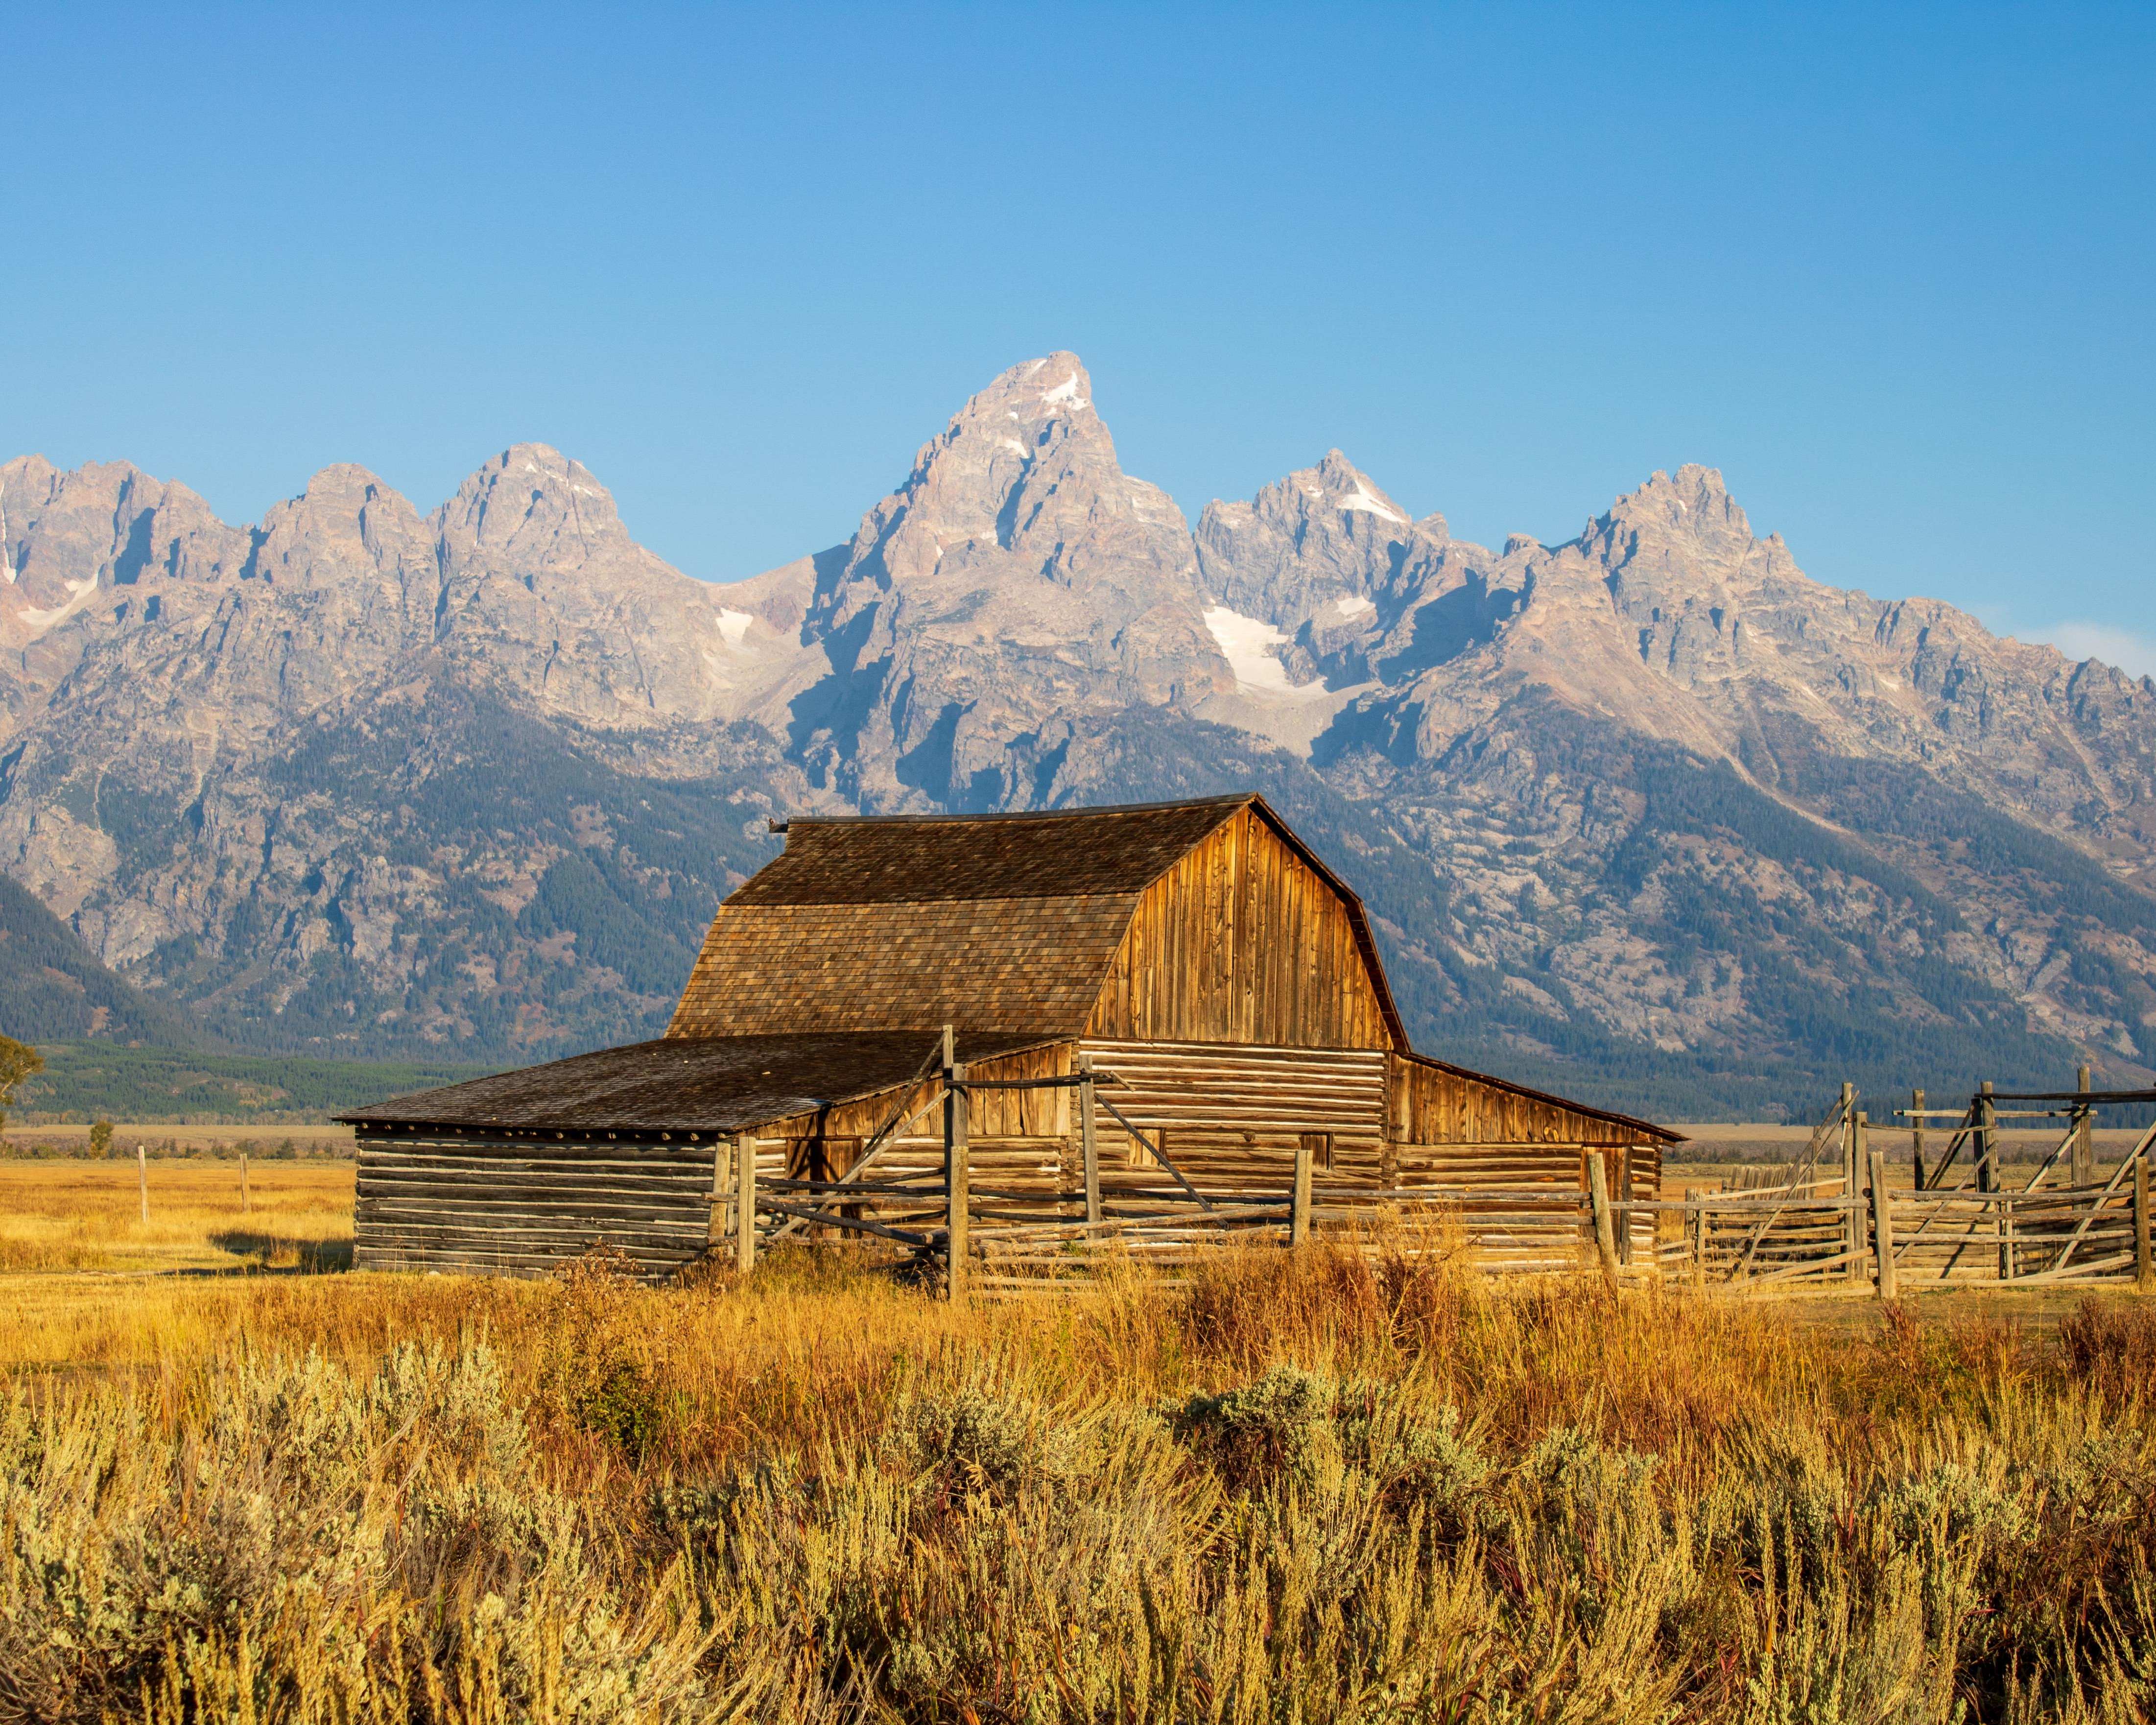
x=534, y=508
x=1055, y=386
x=66, y=536
x=347, y=518
x=1337, y=483
x=344, y=485
x=1691, y=506
x=1311, y=543
x=1017, y=579
x=1024, y=478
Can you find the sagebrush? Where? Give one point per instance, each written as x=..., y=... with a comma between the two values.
x=1325, y=1487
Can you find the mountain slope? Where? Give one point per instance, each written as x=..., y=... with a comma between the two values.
x=51, y=990
x=1649, y=815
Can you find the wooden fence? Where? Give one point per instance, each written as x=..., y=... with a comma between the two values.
x=1004, y=1217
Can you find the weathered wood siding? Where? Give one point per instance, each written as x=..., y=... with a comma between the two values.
x=1230, y=1117
x=476, y=1203
x=1008, y=1131
x=1433, y=1105
x=1242, y=942
x=1509, y=1229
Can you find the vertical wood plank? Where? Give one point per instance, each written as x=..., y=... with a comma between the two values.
x=2084, y=1158
x=1298, y=1212
x=2144, y=1250
x=1882, y=1226
x=1860, y=1163
x=1598, y=1202
x=745, y=1201
x=1089, y=1139
x=958, y=1195
x=721, y=1219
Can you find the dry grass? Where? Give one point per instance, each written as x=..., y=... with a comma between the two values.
x=82, y=1216
x=1314, y=1489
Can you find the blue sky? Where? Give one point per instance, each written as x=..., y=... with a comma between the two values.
x=1891, y=269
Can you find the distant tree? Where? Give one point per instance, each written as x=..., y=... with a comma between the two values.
x=100, y=1139
x=18, y=1061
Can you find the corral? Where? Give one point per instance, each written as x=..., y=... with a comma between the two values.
x=999, y=1041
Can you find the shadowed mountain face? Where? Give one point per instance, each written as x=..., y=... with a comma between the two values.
x=1649, y=814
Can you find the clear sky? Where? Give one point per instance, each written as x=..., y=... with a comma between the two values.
x=1892, y=268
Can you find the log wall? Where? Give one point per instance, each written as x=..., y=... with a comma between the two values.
x=1230, y=1118
x=1234, y=1115
x=486, y=1203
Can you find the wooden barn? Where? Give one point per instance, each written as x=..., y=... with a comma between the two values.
x=1161, y=1005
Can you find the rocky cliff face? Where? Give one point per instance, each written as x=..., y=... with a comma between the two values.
x=1018, y=585
x=1679, y=793
x=1650, y=814
x=360, y=779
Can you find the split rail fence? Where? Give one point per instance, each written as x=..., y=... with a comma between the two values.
x=1003, y=1219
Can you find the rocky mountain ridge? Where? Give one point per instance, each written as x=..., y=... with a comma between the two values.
x=1650, y=813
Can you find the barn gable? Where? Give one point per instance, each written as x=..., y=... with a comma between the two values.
x=1248, y=939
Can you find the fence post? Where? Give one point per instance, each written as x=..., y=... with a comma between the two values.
x=1597, y=1201
x=1882, y=1226
x=1298, y=1209
x=1988, y=1180
x=1916, y=1136
x=956, y=1187
x=143, y=1179
x=1698, y=1247
x=745, y=1201
x=2084, y=1160
x=2144, y=1272
x=1848, y=1139
x=1088, y=1142
x=1861, y=1161
x=723, y=1218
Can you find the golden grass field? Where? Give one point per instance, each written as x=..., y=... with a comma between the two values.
x=79, y=1214
x=240, y=1485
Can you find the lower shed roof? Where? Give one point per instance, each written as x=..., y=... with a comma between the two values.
x=690, y=1084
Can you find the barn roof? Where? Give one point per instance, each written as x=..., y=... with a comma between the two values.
x=920, y=859
x=688, y=1084
x=1003, y=920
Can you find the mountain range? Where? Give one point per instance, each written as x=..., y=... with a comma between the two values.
x=1649, y=815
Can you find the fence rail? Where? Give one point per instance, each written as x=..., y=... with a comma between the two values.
x=1001, y=1217
x=1021, y=1239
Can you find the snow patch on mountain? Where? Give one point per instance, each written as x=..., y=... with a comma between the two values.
x=1361, y=499
x=1249, y=646
x=79, y=595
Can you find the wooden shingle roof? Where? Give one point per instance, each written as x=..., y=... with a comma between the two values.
x=686, y=1084
x=1075, y=852
x=1004, y=921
